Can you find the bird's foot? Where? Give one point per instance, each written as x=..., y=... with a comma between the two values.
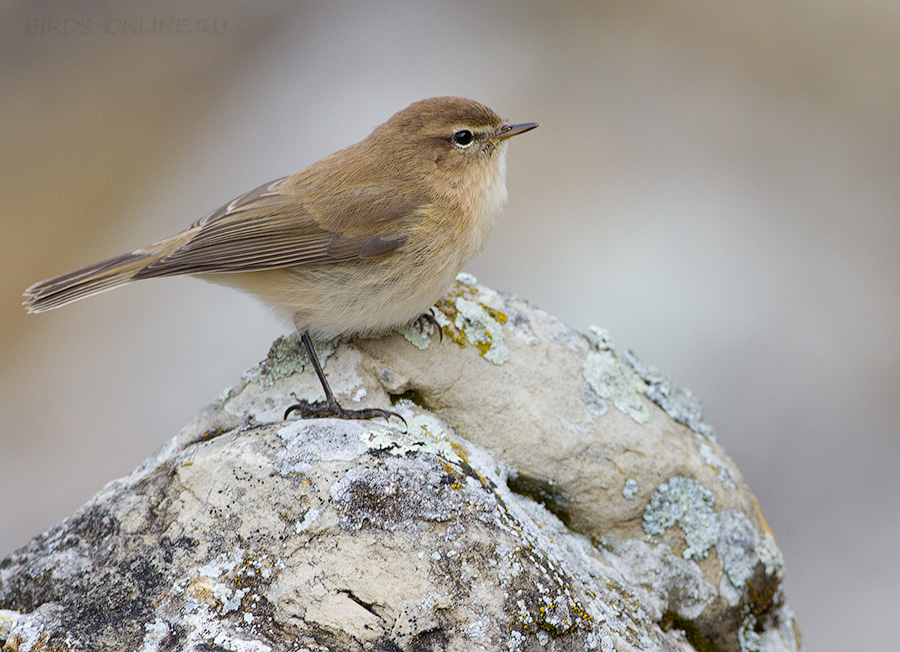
x=429, y=318
x=332, y=409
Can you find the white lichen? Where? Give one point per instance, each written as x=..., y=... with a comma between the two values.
x=717, y=465
x=737, y=547
x=154, y=635
x=425, y=433
x=466, y=278
x=418, y=333
x=685, y=502
x=7, y=618
x=675, y=584
x=677, y=401
x=748, y=638
x=612, y=380
x=770, y=555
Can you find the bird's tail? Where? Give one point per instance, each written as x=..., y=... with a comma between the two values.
x=102, y=276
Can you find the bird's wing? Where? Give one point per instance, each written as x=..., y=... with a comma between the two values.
x=276, y=225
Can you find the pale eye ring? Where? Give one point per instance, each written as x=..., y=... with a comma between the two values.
x=463, y=138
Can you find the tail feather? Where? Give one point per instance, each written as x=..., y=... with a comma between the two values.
x=102, y=276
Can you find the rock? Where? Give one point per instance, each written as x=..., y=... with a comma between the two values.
x=549, y=492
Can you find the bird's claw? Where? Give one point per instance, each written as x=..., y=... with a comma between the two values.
x=429, y=318
x=333, y=409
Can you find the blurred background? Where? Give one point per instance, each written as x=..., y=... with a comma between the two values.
x=718, y=184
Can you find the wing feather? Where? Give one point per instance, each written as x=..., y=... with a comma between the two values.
x=280, y=225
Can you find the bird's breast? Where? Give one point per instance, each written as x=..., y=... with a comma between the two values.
x=481, y=201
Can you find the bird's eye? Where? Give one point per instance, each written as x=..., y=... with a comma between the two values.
x=463, y=138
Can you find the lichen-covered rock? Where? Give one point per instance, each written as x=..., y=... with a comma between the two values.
x=549, y=492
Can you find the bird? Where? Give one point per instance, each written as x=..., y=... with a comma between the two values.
x=360, y=242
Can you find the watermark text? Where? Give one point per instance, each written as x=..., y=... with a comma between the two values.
x=133, y=26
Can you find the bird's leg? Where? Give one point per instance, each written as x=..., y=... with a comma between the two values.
x=330, y=407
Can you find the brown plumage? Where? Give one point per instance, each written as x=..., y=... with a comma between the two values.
x=362, y=241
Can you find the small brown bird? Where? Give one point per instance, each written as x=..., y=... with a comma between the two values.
x=361, y=242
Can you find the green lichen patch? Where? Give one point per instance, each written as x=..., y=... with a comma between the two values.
x=748, y=636
x=630, y=488
x=614, y=381
x=466, y=318
x=418, y=333
x=285, y=358
x=482, y=330
x=685, y=502
x=677, y=401
x=737, y=547
x=623, y=377
x=770, y=555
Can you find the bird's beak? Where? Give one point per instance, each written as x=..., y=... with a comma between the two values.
x=508, y=131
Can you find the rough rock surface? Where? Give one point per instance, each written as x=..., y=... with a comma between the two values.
x=548, y=493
